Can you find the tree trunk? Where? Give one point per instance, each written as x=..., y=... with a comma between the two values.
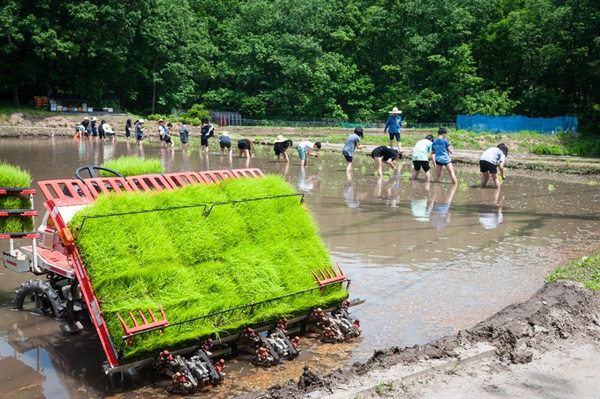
x=154, y=82
x=15, y=96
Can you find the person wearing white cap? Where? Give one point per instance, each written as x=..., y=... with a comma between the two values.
x=280, y=147
x=225, y=142
x=393, y=125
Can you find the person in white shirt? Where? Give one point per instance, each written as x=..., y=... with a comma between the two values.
x=305, y=148
x=420, y=157
x=489, y=163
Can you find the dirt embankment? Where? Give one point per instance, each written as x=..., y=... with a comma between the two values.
x=560, y=313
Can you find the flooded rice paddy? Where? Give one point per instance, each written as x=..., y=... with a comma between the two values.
x=429, y=259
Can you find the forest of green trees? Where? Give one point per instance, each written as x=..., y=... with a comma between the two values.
x=348, y=60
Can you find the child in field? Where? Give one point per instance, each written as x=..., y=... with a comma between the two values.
x=206, y=131
x=280, y=147
x=305, y=148
x=225, y=142
x=245, y=147
x=184, y=135
x=383, y=154
x=167, y=138
x=352, y=144
x=442, y=149
x=420, y=157
x=489, y=163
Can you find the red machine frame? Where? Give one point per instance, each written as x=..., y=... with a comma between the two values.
x=75, y=192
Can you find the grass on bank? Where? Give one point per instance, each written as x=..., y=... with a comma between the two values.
x=585, y=270
x=193, y=264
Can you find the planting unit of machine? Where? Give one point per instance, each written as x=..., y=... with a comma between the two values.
x=63, y=286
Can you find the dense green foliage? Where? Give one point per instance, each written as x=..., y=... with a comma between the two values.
x=133, y=166
x=350, y=59
x=194, y=265
x=585, y=270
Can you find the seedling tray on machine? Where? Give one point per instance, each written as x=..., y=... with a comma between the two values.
x=64, y=194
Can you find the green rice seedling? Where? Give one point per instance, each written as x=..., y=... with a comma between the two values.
x=14, y=177
x=16, y=224
x=15, y=202
x=132, y=166
x=194, y=265
x=550, y=187
x=592, y=183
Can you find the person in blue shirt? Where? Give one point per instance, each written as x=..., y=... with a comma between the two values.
x=184, y=135
x=489, y=163
x=440, y=151
x=393, y=125
x=225, y=142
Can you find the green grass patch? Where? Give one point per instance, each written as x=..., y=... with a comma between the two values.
x=133, y=166
x=193, y=265
x=585, y=270
x=14, y=177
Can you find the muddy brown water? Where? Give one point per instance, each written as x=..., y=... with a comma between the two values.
x=428, y=259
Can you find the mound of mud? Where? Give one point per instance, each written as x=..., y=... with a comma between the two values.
x=561, y=310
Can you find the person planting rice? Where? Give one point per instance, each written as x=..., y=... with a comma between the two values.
x=352, y=144
x=420, y=157
x=280, y=147
x=491, y=160
x=442, y=149
x=184, y=133
x=305, y=149
x=387, y=155
x=139, y=131
x=206, y=131
x=161, y=132
x=225, y=142
x=245, y=147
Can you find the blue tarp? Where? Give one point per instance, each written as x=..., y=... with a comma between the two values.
x=513, y=124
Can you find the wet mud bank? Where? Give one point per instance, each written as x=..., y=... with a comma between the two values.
x=560, y=311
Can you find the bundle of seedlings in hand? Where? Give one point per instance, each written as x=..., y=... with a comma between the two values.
x=14, y=177
x=243, y=252
x=133, y=166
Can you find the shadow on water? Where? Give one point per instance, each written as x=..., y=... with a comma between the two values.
x=429, y=259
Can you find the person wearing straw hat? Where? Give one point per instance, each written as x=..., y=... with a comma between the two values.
x=280, y=147
x=393, y=125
